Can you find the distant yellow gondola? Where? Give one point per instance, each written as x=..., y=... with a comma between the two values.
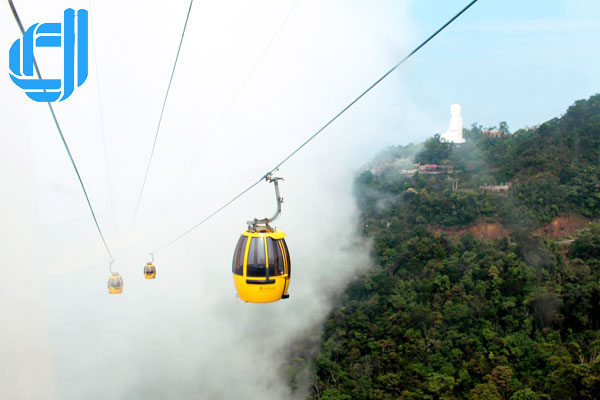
x=261, y=261
x=149, y=271
x=115, y=283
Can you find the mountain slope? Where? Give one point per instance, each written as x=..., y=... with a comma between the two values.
x=443, y=316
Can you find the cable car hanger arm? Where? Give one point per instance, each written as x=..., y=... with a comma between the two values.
x=265, y=221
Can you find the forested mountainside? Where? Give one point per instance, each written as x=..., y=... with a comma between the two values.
x=446, y=314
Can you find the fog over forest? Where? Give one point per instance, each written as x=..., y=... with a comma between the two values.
x=290, y=66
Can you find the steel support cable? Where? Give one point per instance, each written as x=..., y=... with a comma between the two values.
x=137, y=206
x=234, y=99
x=324, y=126
x=209, y=216
x=373, y=85
x=110, y=195
x=62, y=137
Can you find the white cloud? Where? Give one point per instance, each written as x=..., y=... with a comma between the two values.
x=184, y=335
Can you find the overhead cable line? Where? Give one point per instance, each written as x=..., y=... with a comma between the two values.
x=209, y=217
x=137, y=206
x=323, y=127
x=110, y=195
x=235, y=97
x=62, y=137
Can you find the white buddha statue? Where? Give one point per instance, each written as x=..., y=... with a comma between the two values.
x=455, y=133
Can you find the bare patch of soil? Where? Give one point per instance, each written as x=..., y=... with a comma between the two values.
x=562, y=227
x=482, y=230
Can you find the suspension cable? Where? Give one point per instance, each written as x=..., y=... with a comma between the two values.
x=62, y=137
x=235, y=97
x=322, y=128
x=372, y=86
x=101, y=109
x=137, y=206
x=210, y=216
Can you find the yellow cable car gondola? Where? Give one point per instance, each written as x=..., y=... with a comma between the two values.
x=150, y=269
x=115, y=283
x=261, y=261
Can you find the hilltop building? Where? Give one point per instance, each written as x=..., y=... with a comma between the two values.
x=434, y=169
x=492, y=132
x=501, y=188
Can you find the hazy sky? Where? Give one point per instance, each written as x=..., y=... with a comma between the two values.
x=520, y=61
x=184, y=335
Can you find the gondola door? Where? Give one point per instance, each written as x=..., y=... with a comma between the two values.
x=287, y=267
